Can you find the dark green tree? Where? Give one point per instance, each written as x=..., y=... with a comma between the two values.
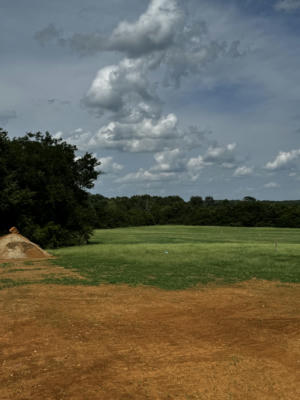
x=43, y=189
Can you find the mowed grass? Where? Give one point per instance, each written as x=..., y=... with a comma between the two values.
x=178, y=257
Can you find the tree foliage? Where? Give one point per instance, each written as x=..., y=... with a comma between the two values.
x=151, y=210
x=42, y=189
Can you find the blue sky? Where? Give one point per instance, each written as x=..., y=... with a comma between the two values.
x=191, y=97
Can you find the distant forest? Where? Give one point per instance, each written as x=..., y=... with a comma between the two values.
x=152, y=210
x=44, y=192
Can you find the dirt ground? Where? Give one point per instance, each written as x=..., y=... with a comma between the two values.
x=121, y=343
x=33, y=271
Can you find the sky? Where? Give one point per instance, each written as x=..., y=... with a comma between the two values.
x=174, y=97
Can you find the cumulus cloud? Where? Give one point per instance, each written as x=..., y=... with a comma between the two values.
x=176, y=160
x=159, y=38
x=162, y=136
x=287, y=5
x=243, y=171
x=170, y=160
x=109, y=166
x=137, y=123
x=271, y=185
x=153, y=31
x=147, y=135
x=143, y=175
x=79, y=138
x=221, y=155
x=195, y=165
x=175, y=164
x=160, y=34
x=6, y=116
x=283, y=160
x=124, y=89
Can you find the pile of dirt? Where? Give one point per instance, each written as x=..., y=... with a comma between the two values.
x=14, y=246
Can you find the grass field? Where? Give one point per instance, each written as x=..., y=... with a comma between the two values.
x=178, y=257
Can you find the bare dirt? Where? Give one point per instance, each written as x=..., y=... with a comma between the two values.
x=122, y=343
x=33, y=271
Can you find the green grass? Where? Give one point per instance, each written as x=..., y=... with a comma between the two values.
x=178, y=257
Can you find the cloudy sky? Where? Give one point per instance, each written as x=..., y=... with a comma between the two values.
x=175, y=97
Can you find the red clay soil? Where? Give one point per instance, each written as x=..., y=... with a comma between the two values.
x=121, y=343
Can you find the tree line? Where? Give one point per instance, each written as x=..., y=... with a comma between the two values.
x=152, y=210
x=44, y=192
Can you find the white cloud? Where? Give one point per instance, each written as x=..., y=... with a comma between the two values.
x=78, y=138
x=154, y=30
x=169, y=161
x=271, y=185
x=220, y=155
x=175, y=161
x=147, y=135
x=160, y=135
x=143, y=175
x=109, y=166
x=163, y=34
x=287, y=5
x=195, y=165
x=243, y=171
x=224, y=157
x=237, y=71
x=174, y=164
x=160, y=38
x=124, y=89
x=283, y=160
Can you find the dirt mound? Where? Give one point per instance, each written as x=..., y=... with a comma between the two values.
x=14, y=246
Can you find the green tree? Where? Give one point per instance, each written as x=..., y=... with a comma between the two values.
x=43, y=189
